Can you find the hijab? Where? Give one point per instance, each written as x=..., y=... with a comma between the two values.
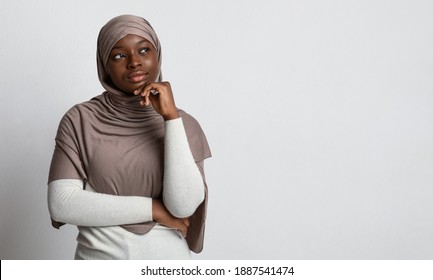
x=116, y=145
x=112, y=32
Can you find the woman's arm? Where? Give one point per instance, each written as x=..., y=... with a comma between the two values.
x=183, y=188
x=69, y=203
x=183, y=185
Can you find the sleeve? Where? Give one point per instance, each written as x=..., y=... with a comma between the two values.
x=183, y=188
x=69, y=203
x=65, y=162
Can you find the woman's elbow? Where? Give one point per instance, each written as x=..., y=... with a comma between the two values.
x=184, y=210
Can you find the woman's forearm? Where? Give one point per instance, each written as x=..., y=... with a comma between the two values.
x=69, y=203
x=183, y=189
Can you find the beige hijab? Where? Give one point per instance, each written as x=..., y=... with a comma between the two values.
x=116, y=145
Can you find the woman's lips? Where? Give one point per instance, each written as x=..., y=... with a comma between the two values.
x=137, y=76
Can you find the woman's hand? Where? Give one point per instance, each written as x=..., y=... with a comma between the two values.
x=162, y=216
x=160, y=95
x=56, y=224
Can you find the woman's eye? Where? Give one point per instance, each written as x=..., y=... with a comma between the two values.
x=144, y=50
x=119, y=56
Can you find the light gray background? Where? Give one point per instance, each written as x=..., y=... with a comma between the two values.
x=319, y=115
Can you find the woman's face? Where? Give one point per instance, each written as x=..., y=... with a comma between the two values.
x=132, y=63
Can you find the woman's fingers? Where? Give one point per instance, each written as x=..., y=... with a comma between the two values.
x=151, y=89
x=160, y=95
x=162, y=216
x=185, y=227
x=184, y=231
x=186, y=222
x=145, y=101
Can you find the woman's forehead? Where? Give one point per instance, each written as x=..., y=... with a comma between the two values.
x=130, y=39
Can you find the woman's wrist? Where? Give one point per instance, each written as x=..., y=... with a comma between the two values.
x=172, y=116
x=156, y=208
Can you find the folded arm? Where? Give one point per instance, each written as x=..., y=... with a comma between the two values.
x=184, y=188
x=69, y=203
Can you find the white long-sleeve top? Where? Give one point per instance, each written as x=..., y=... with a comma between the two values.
x=183, y=191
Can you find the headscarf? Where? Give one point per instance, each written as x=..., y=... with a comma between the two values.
x=112, y=32
x=116, y=145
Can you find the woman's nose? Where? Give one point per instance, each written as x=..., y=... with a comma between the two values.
x=134, y=62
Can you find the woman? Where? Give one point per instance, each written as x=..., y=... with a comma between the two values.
x=127, y=168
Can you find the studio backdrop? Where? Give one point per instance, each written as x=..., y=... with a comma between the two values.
x=318, y=113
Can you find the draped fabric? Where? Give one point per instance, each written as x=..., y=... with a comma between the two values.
x=111, y=33
x=116, y=145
